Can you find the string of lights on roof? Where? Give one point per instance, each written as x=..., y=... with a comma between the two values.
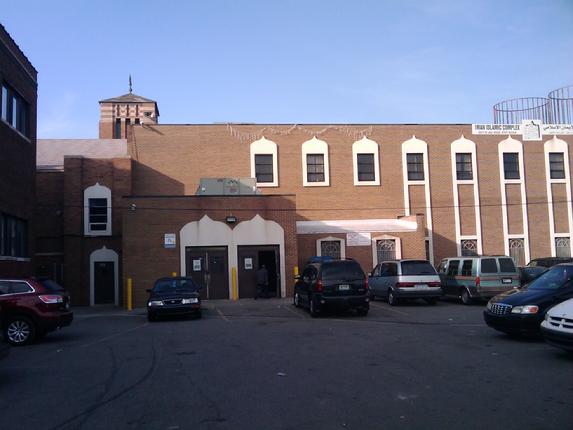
x=251, y=136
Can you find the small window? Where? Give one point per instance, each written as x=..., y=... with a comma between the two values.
x=366, y=168
x=117, y=129
x=506, y=265
x=137, y=121
x=488, y=265
x=330, y=248
x=415, y=167
x=453, y=267
x=264, y=168
x=467, y=268
x=147, y=113
x=315, y=167
x=556, y=165
x=13, y=236
x=464, y=170
x=469, y=247
x=98, y=214
x=562, y=247
x=4, y=103
x=511, y=165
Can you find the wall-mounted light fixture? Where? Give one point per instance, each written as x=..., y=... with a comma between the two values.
x=132, y=207
x=231, y=219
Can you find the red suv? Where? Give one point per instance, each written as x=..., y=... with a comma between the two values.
x=30, y=308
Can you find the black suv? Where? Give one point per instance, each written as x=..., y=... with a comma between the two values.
x=332, y=284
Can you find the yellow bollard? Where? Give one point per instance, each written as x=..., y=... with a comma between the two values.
x=295, y=271
x=129, y=294
x=235, y=291
x=174, y=274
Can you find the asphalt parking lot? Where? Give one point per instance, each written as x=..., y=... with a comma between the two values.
x=267, y=365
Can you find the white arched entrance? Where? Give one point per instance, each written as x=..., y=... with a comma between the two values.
x=209, y=233
x=101, y=262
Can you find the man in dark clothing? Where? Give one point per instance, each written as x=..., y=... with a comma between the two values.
x=262, y=281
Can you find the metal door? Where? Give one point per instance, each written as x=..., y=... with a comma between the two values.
x=104, y=282
x=208, y=268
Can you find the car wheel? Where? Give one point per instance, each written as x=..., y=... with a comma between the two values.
x=151, y=317
x=392, y=300
x=296, y=300
x=431, y=301
x=465, y=296
x=312, y=308
x=19, y=331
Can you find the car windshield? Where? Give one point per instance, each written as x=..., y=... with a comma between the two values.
x=553, y=279
x=342, y=270
x=417, y=268
x=164, y=285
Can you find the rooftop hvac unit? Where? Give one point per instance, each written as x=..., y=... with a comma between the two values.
x=227, y=187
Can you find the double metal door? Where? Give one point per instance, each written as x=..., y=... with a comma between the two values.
x=208, y=267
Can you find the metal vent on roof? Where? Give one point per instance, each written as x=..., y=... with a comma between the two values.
x=227, y=187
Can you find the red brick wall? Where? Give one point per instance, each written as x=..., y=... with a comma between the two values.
x=17, y=153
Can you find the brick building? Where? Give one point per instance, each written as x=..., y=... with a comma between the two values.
x=369, y=192
x=18, y=94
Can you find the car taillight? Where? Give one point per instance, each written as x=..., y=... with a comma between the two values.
x=404, y=284
x=319, y=286
x=477, y=281
x=434, y=284
x=51, y=299
x=366, y=284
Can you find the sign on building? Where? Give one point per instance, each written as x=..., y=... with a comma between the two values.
x=358, y=239
x=530, y=130
x=170, y=240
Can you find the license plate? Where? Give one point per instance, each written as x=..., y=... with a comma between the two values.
x=506, y=281
x=344, y=287
x=422, y=286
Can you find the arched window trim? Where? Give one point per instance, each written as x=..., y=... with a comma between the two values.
x=315, y=146
x=328, y=239
x=264, y=146
x=97, y=191
x=366, y=146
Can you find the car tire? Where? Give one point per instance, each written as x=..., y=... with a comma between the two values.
x=465, y=297
x=151, y=317
x=372, y=296
x=392, y=300
x=431, y=301
x=312, y=308
x=296, y=300
x=19, y=330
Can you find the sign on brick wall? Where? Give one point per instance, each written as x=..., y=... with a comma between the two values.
x=170, y=240
x=358, y=239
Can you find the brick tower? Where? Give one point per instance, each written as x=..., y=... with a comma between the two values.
x=118, y=113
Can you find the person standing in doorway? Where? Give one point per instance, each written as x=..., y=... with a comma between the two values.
x=262, y=281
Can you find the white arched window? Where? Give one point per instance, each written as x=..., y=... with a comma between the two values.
x=366, y=162
x=97, y=211
x=315, y=167
x=264, y=163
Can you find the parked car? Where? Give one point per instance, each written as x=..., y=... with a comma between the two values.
x=332, y=284
x=536, y=267
x=173, y=296
x=30, y=308
x=405, y=279
x=557, y=327
x=520, y=311
x=471, y=278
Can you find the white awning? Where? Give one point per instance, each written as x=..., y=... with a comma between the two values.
x=356, y=226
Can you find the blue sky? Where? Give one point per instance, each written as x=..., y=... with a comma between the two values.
x=386, y=61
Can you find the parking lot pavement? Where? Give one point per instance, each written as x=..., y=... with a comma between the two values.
x=267, y=365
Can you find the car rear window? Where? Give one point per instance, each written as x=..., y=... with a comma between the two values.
x=488, y=265
x=342, y=270
x=174, y=284
x=417, y=268
x=52, y=286
x=506, y=265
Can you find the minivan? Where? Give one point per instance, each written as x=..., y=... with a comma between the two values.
x=332, y=284
x=470, y=278
x=405, y=279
